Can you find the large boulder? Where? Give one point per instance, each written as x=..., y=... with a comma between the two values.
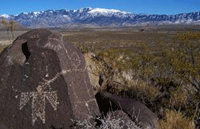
x=137, y=111
x=44, y=83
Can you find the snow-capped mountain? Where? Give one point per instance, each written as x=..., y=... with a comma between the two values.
x=98, y=17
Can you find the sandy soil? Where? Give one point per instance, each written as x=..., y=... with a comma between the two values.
x=5, y=42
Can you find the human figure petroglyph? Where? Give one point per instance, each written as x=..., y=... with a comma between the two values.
x=38, y=99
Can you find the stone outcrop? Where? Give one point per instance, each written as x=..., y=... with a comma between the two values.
x=44, y=83
x=137, y=111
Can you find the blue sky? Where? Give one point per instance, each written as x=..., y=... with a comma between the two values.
x=135, y=6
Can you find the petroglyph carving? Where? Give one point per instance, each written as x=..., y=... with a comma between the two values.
x=56, y=47
x=10, y=61
x=50, y=84
x=55, y=42
x=34, y=36
x=56, y=39
x=75, y=59
x=38, y=99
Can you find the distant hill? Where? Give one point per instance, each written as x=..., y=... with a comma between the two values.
x=98, y=17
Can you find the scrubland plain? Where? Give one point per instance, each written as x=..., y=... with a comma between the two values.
x=159, y=66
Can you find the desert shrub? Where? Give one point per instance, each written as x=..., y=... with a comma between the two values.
x=126, y=69
x=179, y=98
x=186, y=64
x=188, y=35
x=160, y=74
x=141, y=90
x=84, y=47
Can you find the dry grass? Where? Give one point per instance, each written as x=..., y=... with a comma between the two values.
x=4, y=44
x=144, y=91
x=179, y=98
x=176, y=120
x=2, y=48
x=108, y=122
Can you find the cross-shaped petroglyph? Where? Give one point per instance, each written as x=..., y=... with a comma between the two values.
x=38, y=99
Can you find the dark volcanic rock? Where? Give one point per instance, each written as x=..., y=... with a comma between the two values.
x=137, y=111
x=44, y=83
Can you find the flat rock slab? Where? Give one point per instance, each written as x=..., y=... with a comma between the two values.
x=44, y=83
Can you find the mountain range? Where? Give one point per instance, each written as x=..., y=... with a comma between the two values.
x=98, y=17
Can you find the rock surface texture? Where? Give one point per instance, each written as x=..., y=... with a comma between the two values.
x=44, y=83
